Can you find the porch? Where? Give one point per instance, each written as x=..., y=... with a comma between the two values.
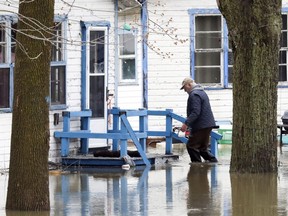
x=121, y=134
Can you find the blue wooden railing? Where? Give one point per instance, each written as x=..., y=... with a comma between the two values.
x=122, y=131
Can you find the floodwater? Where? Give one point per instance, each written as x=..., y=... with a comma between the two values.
x=172, y=189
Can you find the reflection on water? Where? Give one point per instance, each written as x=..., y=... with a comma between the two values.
x=167, y=189
x=200, y=199
x=254, y=194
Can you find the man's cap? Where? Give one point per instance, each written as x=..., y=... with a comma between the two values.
x=186, y=81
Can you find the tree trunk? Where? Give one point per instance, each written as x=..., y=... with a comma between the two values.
x=28, y=186
x=254, y=31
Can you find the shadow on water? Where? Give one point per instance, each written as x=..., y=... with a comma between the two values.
x=165, y=189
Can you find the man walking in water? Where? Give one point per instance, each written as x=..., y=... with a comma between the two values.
x=199, y=122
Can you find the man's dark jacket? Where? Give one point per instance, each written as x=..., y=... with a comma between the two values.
x=199, y=113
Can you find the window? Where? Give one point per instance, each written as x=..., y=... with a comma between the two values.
x=97, y=57
x=208, y=49
x=211, y=53
x=7, y=58
x=127, y=55
x=58, y=67
x=3, y=44
x=283, y=50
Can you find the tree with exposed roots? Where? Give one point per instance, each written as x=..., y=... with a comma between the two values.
x=254, y=33
x=28, y=185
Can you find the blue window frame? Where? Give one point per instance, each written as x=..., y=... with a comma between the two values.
x=8, y=28
x=58, y=66
x=211, y=55
x=209, y=48
x=283, y=61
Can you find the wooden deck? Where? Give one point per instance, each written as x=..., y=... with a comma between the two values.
x=90, y=160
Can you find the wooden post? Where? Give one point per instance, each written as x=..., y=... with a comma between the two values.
x=66, y=128
x=143, y=127
x=115, y=112
x=168, y=132
x=85, y=125
x=123, y=142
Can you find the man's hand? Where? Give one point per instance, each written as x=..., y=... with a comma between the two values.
x=184, y=128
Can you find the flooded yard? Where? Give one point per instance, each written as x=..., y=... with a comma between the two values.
x=172, y=189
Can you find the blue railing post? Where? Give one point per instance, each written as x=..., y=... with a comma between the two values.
x=123, y=142
x=116, y=119
x=214, y=137
x=168, y=131
x=66, y=128
x=85, y=125
x=143, y=127
x=214, y=146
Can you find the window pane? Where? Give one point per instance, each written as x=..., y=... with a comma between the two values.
x=97, y=51
x=207, y=75
x=128, y=69
x=283, y=39
x=57, y=49
x=283, y=73
x=282, y=57
x=230, y=58
x=97, y=96
x=127, y=44
x=284, y=22
x=230, y=74
x=207, y=58
x=208, y=23
x=13, y=41
x=208, y=40
x=58, y=90
x=2, y=43
x=4, y=87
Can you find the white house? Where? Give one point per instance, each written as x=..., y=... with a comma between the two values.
x=129, y=54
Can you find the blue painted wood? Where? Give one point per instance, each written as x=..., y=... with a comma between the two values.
x=214, y=137
x=213, y=146
x=143, y=127
x=168, y=149
x=94, y=161
x=89, y=135
x=157, y=112
x=144, y=24
x=134, y=139
x=115, y=112
x=181, y=139
x=125, y=132
x=84, y=113
x=123, y=142
x=225, y=53
x=140, y=112
x=83, y=64
x=178, y=117
x=158, y=133
x=85, y=125
x=65, y=141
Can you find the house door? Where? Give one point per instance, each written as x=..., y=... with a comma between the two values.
x=96, y=81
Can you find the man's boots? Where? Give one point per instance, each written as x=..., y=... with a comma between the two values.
x=208, y=156
x=194, y=155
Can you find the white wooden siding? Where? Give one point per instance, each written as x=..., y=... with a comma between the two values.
x=165, y=73
x=84, y=10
